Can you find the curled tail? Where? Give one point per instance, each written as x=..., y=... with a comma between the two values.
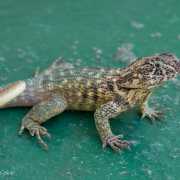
x=11, y=91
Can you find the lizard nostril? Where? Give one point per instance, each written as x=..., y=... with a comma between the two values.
x=157, y=65
x=178, y=67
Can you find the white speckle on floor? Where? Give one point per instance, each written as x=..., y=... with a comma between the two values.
x=125, y=53
x=174, y=19
x=137, y=25
x=156, y=35
x=178, y=37
x=78, y=62
x=74, y=47
x=2, y=59
x=98, y=53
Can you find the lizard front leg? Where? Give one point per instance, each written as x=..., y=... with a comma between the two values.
x=102, y=116
x=149, y=112
x=41, y=113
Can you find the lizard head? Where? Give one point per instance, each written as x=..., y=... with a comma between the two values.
x=154, y=70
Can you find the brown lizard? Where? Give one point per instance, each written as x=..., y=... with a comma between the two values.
x=108, y=92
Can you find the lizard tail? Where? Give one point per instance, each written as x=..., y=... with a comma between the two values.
x=11, y=91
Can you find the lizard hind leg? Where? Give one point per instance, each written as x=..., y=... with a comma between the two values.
x=39, y=114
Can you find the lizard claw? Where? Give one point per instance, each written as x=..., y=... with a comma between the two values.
x=38, y=131
x=116, y=143
x=21, y=130
x=152, y=115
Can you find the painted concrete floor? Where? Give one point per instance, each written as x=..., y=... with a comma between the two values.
x=91, y=33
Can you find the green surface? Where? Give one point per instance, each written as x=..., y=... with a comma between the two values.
x=89, y=32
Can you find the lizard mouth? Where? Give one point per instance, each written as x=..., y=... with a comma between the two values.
x=11, y=91
x=178, y=66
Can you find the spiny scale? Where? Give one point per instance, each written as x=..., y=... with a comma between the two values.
x=85, y=94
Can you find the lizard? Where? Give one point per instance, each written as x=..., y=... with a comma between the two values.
x=106, y=91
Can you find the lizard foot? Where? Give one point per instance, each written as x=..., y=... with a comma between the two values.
x=116, y=143
x=38, y=131
x=152, y=115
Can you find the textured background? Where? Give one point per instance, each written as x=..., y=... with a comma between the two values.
x=93, y=33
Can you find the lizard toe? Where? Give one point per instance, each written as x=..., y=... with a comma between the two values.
x=118, y=144
x=40, y=131
x=152, y=115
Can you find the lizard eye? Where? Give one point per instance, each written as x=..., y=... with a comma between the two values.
x=146, y=69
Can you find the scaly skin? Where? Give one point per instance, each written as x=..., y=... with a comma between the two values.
x=108, y=92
